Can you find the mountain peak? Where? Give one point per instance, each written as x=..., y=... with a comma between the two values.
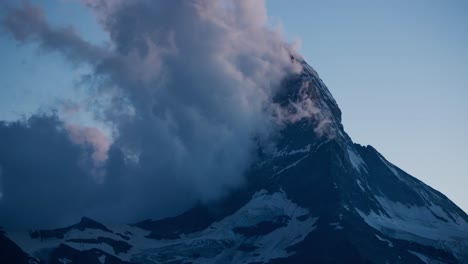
x=317, y=198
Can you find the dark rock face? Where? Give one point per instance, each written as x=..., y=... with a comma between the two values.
x=67, y=254
x=12, y=253
x=317, y=198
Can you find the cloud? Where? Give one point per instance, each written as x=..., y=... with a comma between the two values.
x=296, y=109
x=28, y=24
x=69, y=107
x=187, y=88
x=42, y=183
x=95, y=139
x=46, y=182
x=90, y=136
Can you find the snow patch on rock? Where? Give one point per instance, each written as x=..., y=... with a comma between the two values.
x=285, y=152
x=419, y=224
x=389, y=243
x=425, y=258
x=356, y=161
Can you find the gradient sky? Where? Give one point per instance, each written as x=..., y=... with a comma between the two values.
x=398, y=69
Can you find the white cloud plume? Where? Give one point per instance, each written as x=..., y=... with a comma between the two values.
x=189, y=87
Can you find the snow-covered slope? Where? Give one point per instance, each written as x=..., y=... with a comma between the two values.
x=261, y=230
x=316, y=198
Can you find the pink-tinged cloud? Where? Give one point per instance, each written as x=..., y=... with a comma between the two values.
x=92, y=136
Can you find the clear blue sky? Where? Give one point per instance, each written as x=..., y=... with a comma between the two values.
x=398, y=69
